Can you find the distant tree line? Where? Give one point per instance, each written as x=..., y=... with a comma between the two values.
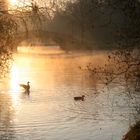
x=90, y=24
x=99, y=23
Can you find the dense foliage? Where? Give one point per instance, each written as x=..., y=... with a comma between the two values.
x=12, y=24
x=8, y=29
x=100, y=24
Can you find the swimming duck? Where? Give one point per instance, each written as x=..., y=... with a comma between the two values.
x=79, y=98
x=26, y=87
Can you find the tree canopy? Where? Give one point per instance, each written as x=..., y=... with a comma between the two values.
x=100, y=23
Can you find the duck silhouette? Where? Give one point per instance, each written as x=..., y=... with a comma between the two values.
x=26, y=87
x=79, y=98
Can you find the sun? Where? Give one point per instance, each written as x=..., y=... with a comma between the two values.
x=13, y=2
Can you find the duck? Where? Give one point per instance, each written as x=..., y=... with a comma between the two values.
x=26, y=87
x=79, y=98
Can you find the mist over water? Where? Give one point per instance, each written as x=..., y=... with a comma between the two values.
x=49, y=111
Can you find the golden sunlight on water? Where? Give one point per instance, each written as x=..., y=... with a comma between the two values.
x=49, y=112
x=14, y=82
x=14, y=85
x=40, y=50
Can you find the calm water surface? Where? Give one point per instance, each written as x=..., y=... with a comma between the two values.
x=49, y=112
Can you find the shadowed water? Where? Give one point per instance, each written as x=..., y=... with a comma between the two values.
x=49, y=111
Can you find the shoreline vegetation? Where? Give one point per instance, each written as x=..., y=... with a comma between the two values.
x=133, y=133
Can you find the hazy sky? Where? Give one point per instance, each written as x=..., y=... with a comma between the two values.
x=17, y=3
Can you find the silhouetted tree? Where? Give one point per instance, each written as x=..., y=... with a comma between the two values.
x=122, y=70
x=8, y=29
x=102, y=24
x=16, y=21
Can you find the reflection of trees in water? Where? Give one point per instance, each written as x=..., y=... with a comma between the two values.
x=121, y=72
x=6, y=117
x=69, y=68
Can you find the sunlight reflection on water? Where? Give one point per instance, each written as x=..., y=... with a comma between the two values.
x=49, y=112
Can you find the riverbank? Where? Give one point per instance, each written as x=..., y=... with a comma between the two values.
x=133, y=133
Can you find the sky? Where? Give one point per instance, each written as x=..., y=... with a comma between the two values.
x=17, y=3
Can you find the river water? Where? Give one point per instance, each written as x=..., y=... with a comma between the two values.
x=49, y=112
